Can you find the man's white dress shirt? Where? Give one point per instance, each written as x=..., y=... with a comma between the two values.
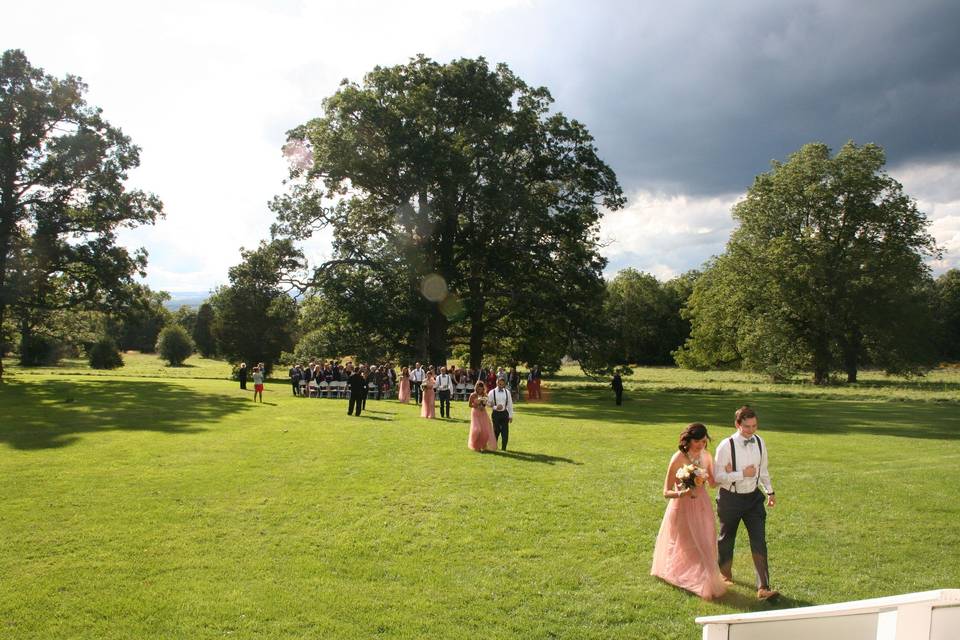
x=752, y=453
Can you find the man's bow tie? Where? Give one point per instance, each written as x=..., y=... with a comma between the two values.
x=749, y=440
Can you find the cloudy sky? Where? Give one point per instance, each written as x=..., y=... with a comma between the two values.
x=688, y=100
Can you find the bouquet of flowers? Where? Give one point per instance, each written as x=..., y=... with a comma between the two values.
x=691, y=476
x=481, y=401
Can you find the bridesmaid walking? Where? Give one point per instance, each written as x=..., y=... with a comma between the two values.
x=428, y=410
x=686, y=551
x=403, y=394
x=481, y=436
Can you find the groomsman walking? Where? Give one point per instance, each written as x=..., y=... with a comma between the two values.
x=741, y=471
x=444, y=389
x=416, y=379
x=502, y=415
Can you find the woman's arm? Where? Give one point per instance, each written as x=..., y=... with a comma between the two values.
x=709, y=467
x=670, y=489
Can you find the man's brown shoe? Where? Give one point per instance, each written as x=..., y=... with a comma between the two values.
x=767, y=594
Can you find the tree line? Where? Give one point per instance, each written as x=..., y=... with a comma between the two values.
x=464, y=212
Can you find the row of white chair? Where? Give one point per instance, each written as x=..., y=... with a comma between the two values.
x=339, y=389
x=334, y=389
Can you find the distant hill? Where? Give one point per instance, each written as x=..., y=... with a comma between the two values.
x=191, y=299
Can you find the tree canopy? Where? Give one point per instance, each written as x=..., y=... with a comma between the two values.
x=825, y=272
x=62, y=199
x=454, y=192
x=254, y=317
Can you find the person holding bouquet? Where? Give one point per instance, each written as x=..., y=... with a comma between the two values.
x=685, y=554
x=429, y=409
x=481, y=436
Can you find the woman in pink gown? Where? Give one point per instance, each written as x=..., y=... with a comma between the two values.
x=403, y=393
x=686, y=551
x=428, y=410
x=481, y=436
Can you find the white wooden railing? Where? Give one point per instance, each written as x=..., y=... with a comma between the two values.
x=928, y=615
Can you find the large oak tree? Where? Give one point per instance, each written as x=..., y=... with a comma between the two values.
x=63, y=198
x=825, y=272
x=459, y=182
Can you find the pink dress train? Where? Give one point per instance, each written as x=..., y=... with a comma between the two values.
x=686, y=551
x=429, y=405
x=481, y=436
x=403, y=395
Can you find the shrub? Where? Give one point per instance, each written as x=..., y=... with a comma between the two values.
x=174, y=345
x=39, y=350
x=103, y=354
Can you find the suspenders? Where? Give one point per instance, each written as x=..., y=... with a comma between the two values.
x=733, y=458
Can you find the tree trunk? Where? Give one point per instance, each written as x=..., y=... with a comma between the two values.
x=477, y=327
x=821, y=364
x=851, y=354
x=26, y=342
x=437, y=339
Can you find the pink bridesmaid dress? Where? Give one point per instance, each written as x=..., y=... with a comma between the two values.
x=686, y=551
x=403, y=395
x=481, y=436
x=429, y=405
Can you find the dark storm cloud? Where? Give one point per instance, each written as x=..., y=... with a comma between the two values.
x=698, y=97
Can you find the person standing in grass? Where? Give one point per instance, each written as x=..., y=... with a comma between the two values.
x=416, y=381
x=242, y=375
x=499, y=398
x=741, y=473
x=481, y=436
x=257, y=383
x=685, y=554
x=617, y=385
x=295, y=379
x=403, y=391
x=444, y=389
x=428, y=408
x=358, y=386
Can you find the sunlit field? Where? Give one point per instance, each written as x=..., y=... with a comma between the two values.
x=157, y=502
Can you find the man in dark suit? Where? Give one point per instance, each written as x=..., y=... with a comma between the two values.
x=358, y=391
x=295, y=379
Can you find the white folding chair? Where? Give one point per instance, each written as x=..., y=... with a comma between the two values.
x=303, y=388
x=323, y=389
x=458, y=391
x=314, y=389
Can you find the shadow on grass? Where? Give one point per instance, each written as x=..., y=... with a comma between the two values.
x=51, y=414
x=746, y=602
x=920, y=419
x=534, y=457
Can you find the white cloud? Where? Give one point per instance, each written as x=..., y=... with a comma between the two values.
x=666, y=235
x=208, y=90
x=936, y=188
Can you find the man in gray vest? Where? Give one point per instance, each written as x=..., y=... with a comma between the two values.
x=741, y=471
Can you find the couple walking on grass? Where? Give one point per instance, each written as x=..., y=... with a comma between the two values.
x=486, y=429
x=688, y=552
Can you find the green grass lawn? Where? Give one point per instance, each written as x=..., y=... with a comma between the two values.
x=152, y=502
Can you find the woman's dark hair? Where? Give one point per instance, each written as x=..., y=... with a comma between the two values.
x=694, y=431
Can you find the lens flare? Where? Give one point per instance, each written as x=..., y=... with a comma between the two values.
x=434, y=287
x=452, y=307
